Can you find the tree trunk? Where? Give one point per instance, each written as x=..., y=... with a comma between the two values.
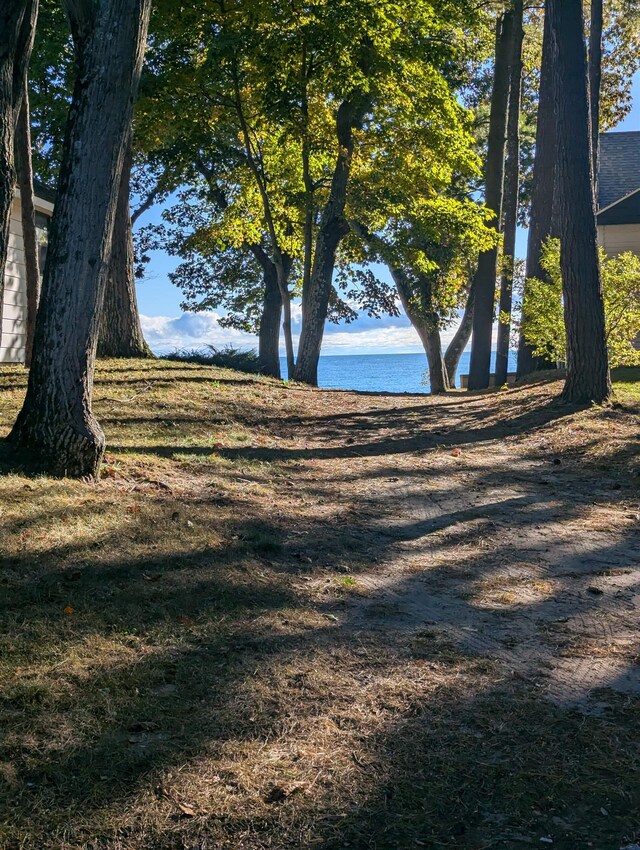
x=511, y=197
x=595, y=82
x=587, y=362
x=17, y=29
x=543, y=195
x=426, y=324
x=285, y=298
x=269, y=332
x=333, y=228
x=28, y=214
x=460, y=339
x=120, y=332
x=56, y=424
x=486, y=274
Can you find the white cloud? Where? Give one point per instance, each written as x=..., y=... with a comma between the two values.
x=191, y=330
x=365, y=336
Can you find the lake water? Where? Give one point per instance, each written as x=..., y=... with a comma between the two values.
x=395, y=373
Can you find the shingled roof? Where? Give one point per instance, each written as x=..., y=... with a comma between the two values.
x=619, y=166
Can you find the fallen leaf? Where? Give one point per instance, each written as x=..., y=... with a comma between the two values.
x=186, y=809
x=186, y=621
x=69, y=610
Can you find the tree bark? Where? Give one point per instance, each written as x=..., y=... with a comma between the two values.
x=28, y=215
x=595, y=83
x=17, y=29
x=460, y=339
x=511, y=197
x=588, y=377
x=120, y=332
x=56, y=424
x=486, y=274
x=333, y=228
x=269, y=331
x=543, y=195
x=427, y=327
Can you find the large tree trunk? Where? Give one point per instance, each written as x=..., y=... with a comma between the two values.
x=511, y=197
x=460, y=339
x=486, y=274
x=28, y=214
x=120, y=332
x=543, y=195
x=587, y=362
x=56, y=424
x=17, y=29
x=333, y=228
x=595, y=83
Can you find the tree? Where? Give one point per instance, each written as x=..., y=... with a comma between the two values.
x=291, y=111
x=394, y=56
x=595, y=83
x=120, y=332
x=587, y=363
x=51, y=84
x=485, y=278
x=428, y=255
x=56, y=423
x=461, y=337
x=242, y=279
x=17, y=28
x=620, y=61
x=333, y=227
x=511, y=196
x=543, y=183
x=28, y=219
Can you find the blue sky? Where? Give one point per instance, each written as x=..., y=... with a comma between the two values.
x=167, y=328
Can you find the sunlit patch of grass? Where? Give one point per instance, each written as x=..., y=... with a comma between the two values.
x=626, y=384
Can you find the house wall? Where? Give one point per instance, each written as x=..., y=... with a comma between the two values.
x=618, y=238
x=14, y=308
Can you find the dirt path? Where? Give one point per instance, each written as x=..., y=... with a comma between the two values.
x=510, y=547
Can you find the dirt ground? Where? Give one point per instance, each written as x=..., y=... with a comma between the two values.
x=292, y=618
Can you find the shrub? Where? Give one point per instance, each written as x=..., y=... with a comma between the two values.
x=227, y=358
x=543, y=312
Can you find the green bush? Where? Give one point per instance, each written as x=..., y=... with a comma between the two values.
x=226, y=358
x=543, y=313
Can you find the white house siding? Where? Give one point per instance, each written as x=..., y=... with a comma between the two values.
x=618, y=238
x=14, y=308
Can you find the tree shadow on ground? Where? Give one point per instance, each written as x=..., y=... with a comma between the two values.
x=354, y=675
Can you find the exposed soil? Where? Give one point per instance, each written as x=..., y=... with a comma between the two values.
x=293, y=618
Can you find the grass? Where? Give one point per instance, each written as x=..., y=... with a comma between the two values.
x=186, y=662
